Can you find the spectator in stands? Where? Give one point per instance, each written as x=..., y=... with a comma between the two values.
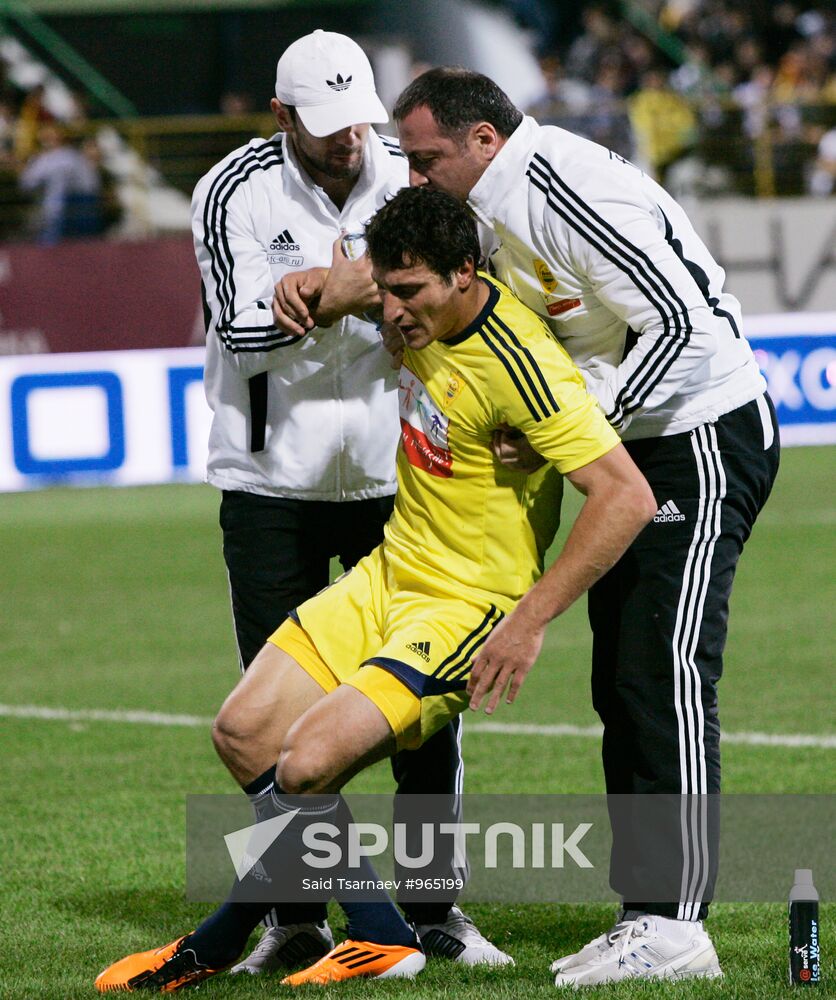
x=607, y=122
x=640, y=56
x=753, y=97
x=822, y=180
x=111, y=209
x=8, y=126
x=32, y=116
x=68, y=188
x=562, y=99
x=600, y=34
x=748, y=55
x=664, y=125
x=235, y=103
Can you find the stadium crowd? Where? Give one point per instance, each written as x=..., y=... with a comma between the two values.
x=706, y=95
x=52, y=186
x=717, y=77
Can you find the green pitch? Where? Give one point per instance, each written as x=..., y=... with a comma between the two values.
x=117, y=600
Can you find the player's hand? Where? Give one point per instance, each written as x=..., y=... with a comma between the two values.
x=513, y=450
x=393, y=342
x=503, y=662
x=295, y=298
x=348, y=288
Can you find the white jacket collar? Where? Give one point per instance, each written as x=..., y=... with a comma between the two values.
x=491, y=193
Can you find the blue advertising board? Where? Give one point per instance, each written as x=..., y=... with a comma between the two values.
x=134, y=417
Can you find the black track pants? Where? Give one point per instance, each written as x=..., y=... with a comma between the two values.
x=659, y=621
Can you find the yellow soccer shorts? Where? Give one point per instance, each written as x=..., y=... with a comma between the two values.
x=409, y=652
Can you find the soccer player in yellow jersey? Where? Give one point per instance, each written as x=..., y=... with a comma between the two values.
x=383, y=658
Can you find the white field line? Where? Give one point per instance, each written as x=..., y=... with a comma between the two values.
x=501, y=728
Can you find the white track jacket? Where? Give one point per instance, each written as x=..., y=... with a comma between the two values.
x=614, y=266
x=313, y=417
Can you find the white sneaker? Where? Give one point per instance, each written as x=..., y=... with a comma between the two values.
x=284, y=947
x=650, y=947
x=597, y=946
x=458, y=939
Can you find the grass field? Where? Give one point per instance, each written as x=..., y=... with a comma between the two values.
x=116, y=600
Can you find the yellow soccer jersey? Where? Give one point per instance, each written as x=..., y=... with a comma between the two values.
x=463, y=520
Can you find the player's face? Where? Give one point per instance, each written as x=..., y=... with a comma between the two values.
x=338, y=156
x=450, y=164
x=421, y=304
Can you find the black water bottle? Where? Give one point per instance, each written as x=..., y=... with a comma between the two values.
x=805, y=958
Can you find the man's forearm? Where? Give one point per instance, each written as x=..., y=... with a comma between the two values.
x=602, y=532
x=619, y=503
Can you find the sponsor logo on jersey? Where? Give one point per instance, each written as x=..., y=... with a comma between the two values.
x=423, y=427
x=668, y=512
x=421, y=648
x=282, y=250
x=453, y=389
x=284, y=241
x=339, y=84
x=545, y=276
x=562, y=306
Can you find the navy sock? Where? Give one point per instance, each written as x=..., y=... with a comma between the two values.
x=260, y=795
x=374, y=919
x=221, y=938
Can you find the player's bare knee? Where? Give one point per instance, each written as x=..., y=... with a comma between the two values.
x=230, y=736
x=301, y=770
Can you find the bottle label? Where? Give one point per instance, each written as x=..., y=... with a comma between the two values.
x=805, y=959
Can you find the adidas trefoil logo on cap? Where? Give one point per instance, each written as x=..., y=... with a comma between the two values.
x=339, y=83
x=668, y=512
x=421, y=648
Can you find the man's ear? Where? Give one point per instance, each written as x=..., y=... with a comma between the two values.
x=281, y=114
x=485, y=141
x=465, y=275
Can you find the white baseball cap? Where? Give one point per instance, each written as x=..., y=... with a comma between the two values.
x=328, y=79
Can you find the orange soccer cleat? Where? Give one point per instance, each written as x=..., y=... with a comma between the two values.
x=162, y=971
x=361, y=958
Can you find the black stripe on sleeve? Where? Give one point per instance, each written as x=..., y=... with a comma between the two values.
x=222, y=262
x=533, y=367
x=700, y=277
x=257, y=386
x=207, y=312
x=214, y=211
x=514, y=363
x=644, y=274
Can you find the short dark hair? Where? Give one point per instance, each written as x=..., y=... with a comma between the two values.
x=423, y=225
x=458, y=98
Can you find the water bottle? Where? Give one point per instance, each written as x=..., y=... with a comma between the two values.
x=805, y=957
x=353, y=245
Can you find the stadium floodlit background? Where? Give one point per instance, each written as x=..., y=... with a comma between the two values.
x=115, y=639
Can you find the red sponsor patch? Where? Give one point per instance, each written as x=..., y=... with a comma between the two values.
x=564, y=305
x=423, y=454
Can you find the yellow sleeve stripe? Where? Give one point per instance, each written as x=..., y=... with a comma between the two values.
x=522, y=368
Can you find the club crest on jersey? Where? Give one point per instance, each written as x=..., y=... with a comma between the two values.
x=544, y=275
x=453, y=389
x=424, y=427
